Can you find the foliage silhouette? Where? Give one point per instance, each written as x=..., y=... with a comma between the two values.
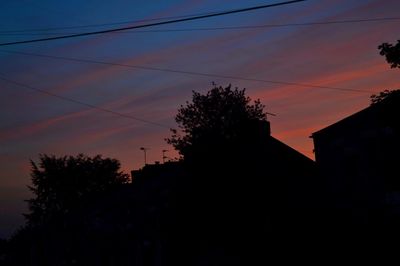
x=219, y=117
x=384, y=95
x=60, y=184
x=391, y=52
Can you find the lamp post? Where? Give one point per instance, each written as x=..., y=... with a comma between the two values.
x=163, y=155
x=144, y=151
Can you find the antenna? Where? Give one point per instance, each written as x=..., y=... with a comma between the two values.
x=267, y=113
x=163, y=155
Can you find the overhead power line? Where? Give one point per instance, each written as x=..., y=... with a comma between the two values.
x=248, y=27
x=155, y=23
x=95, y=107
x=106, y=24
x=193, y=73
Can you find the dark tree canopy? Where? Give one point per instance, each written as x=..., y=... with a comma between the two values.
x=391, y=52
x=60, y=184
x=221, y=115
x=384, y=95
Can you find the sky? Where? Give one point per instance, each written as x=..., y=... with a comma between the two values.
x=341, y=55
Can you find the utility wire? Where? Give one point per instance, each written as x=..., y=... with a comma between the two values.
x=154, y=24
x=107, y=24
x=95, y=107
x=249, y=27
x=72, y=59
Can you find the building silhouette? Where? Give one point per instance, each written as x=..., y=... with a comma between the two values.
x=358, y=160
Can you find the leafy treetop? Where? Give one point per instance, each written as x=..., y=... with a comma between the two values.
x=60, y=184
x=391, y=52
x=219, y=116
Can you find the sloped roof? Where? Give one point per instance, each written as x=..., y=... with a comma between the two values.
x=289, y=151
x=372, y=116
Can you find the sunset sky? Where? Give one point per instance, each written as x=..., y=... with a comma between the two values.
x=341, y=55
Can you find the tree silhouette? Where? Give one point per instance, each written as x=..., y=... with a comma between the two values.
x=221, y=139
x=384, y=95
x=391, y=52
x=60, y=184
x=216, y=119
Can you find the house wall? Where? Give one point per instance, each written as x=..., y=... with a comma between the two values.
x=358, y=159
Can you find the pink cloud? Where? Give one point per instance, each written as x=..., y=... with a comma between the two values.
x=31, y=129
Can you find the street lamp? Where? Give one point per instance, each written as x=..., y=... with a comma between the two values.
x=144, y=151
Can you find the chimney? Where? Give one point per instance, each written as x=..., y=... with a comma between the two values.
x=266, y=127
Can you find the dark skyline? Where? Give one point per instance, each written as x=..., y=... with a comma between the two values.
x=336, y=55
